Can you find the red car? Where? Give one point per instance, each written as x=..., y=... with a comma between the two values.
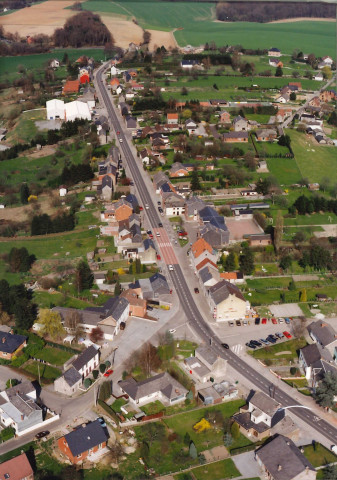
x=274, y=321
x=287, y=334
x=264, y=321
x=140, y=207
x=182, y=234
x=158, y=257
x=108, y=372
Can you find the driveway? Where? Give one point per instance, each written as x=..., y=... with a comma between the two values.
x=247, y=465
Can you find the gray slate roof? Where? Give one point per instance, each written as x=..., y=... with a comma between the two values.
x=235, y=135
x=323, y=332
x=72, y=376
x=207, y=354
x=163, y=382
x=84, y=438
x=283, y=459
x=221, y=290
x=22, y=388
x=10, y=342
x=264, y=403
x=85, y=357
x=159, y=283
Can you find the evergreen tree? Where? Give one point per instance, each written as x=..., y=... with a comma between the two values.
x=84, y=277
x=24, y=193
x=195, y=182
x=327, y=390
x=246, y=261
x=187, y=438
x=19, y=259
x=193, y=451
x=118, y=289
x=229, y=263
x=279, y=72
x=235, y=431
x=285, y=262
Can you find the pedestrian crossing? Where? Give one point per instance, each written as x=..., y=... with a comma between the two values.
x=237, y=349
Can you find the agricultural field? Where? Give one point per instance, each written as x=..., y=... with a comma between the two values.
x=197, y=25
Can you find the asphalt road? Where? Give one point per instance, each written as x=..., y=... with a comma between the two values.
x=193, y=315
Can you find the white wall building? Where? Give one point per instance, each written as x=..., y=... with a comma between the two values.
x=77, y=110
x=55, y=109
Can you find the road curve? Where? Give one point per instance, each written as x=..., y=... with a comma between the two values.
x=193, y=315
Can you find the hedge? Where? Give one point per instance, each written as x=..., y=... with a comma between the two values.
x=108, y=410
x=63, y=347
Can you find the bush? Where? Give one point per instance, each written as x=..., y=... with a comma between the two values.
x=95, y=374
x=19, y=361
x=102, y=367
x=293, y=370
x=235, y=431
x=107, y=364
x=7, y=433
x=87, y=382
x=11, y=382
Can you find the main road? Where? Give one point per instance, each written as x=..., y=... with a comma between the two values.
x=193, y=315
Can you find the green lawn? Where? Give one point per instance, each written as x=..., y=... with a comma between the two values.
x=270, y=352
x=319, y=455
x=196, y=26
x=46, y=372
x=47, y=300
x=217, y=471
x=314, y=161
x=55, y=356
x=285, y=170
x=25, y=129
x=257, y=283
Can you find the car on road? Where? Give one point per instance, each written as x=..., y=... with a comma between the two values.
x=160, y=225
x=158, y=234
x=108, y=373
x=158, y=257
x=159, y=202
x=287, y=320
x=274, y=321
x=42, y=434
x=148, y=232
x=257, y=321
x=147, y=206
x=250, y=345
x=231, y=324
x=279, y=335
x=333, y=448
x=287, y=335
x=120, y=140
x=149, y=308
x=173, y=330
x=170, y=267
x=225, y=345
x=238, y=323
x=196, y=290
x=118, y=133
x=264, y=321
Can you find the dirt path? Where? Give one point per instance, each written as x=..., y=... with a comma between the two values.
x=304, y=19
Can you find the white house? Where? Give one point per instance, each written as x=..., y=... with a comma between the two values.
x=63, y=191
x=87, y=361
x=113, y=70
x=226, y=302
x=319, y=77
x=54, y=63
x=77, y=110
x=205, y=364
x=161, y=387
x=55, y=109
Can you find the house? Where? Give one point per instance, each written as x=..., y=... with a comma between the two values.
x=281, y=459
x=148, y=253
x=208, y=276
x=258, y=417
x=274, y=52
x=275, y=62
x=54, y=63
x=205, y=364
x=84, y=78
x=240, y=124
x=235, y=137
x=71, y=86
x=295, y=86
x=88, y=439
x=180, y=170
x=318, y=77
x=200, y=246
x=107, y=187
x=152, y=287
x=233, y=277
x=323, y=334
x=327, y=60
x=99, y=278
x=316, y=361
x=11, y=344
x=63, y=191
x=172, y=118
x=161, y=387
x=190, y=126
x=131, y=122
x=69, y=382
x=18, y=408
x=214, y=230
x=76, y=111
x=55, y=109
x=225, y=117
x=122, y=210
x=18, y=468
x=206, y=262
x=189, y=63
x=259, y=239
x=226, y=302
x=266, y=135
x=124, y=108
x=192, y=207
x=159, y=179
x=137, y=305
x=87, y=361
x=173, y=203
x=328, y=95
x=282, y=114
x=217, y=393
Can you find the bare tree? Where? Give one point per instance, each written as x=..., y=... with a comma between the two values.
x=72, y=320
x=299, y=327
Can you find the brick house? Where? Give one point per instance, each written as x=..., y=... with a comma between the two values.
x=235, y=137
x=137, y=305
x=172, y=118
x=11, y=344
x=18, y=468
x=225, y=117
x=71, y=86
x=240, y=124
x=265, y=135
x=84, y=441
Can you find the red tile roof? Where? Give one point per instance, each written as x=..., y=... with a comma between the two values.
x=200, y=246
x=16, y=468
x=71, y=86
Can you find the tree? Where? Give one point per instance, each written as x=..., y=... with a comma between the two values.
x=152, y=432
x=292, y=286
x=84, y=278
x=279, y=72
x=230, y=263
x=193, y=451
x=11, y=382
x=118, y=288
x=246, y=261
x=278, y=231
x=19, y=259
x=327, y=73
x=52, y=324
x=102, y=367
x=285, y=262
x=72, y=320
x=24, y=193
x=327, y=390
x=298, y=238
x=235, y=431
x=195, y=183
x=330, y=472
x=262, y=186
x=227, y=439
x=292, y=96
x=96, y=335
x=145, y=451
x=148, y=358
x=187, y=439
x=303, y=295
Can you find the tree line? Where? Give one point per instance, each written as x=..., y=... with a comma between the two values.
x=17, y=300
x=76, y=173
x=44, y=224
x=270, y=11
x=304, y=205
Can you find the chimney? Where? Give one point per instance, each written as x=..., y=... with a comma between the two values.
x=22, y=416
x=3, y=339
x=279, y=468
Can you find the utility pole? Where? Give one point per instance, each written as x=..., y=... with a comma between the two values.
x=38, y=369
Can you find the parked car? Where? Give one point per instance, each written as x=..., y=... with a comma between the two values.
x=265, y=342
x=159, y=202
x=101, y=421
x=264, y=321
x=160, y=224
x=279, y=335
x=225, y=345
x=280, y=320
x=274, y=321
x=245, y=323
x=158, y=234
x=173, y=330
x=257, y=321
x=271, y=339
x=287, y=320
x=158, y=257
x=170, y=267
x=231, y=324
x=149, y=308
x=255, y=342
x=196, y=290
x=148, y=232
x=42, y=434
x=108, y=373
x=250, y=345
x=238, y=323
x=287, y=335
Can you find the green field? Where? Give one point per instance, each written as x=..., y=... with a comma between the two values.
x=285, y=170
x=195, y=26
x=25, y=129
x=314, y=161
x=52, y=355
x=217, y=471
x=46, y=372
x=9, y=65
